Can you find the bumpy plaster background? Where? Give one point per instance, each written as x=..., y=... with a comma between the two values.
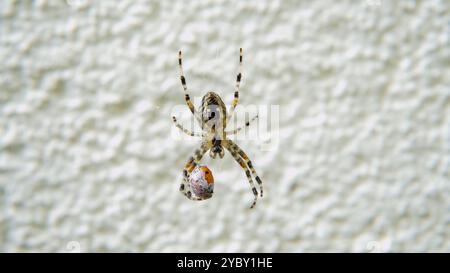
x=88, y=161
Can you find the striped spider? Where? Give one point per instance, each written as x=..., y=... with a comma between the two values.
x=213, y=119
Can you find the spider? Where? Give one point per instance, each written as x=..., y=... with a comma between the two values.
x=213, y=118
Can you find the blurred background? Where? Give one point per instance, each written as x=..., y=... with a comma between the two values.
x=88, y=161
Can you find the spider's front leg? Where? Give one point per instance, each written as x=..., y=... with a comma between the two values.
x=193, y=161
x=186, y=95
x=246, y=165
x=236, y=92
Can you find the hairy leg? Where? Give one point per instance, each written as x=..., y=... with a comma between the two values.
x=247, y=160
x=183, y=83
x=244, y=166
x=236, y=92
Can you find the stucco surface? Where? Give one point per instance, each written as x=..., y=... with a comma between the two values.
x=88, y=161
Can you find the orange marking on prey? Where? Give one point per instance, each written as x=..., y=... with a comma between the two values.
x=208, y=174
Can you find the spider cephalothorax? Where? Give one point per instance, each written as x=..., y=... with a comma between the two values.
x=213, y=119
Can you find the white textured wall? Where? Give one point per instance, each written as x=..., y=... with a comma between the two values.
x=86, y=94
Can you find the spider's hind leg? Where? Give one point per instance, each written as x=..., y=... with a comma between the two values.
x=235, y=153
x=247, y=160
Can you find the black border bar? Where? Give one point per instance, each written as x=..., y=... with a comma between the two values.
x=226, y=262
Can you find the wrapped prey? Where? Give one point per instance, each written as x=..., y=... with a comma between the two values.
x=201, y=181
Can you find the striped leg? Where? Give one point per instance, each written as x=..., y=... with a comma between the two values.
x=183, y=82
x=235, y=153
x=240, y=128
x=186, y=131
x=236, y=92
x=248, y=162
x=193, y=161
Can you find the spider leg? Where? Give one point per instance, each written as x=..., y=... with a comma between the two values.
x=236, y=92
x=183, y=83
x=186, y=131
x=235, y=131
x=192, y=162
x=244, y=156
x=237, y=157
